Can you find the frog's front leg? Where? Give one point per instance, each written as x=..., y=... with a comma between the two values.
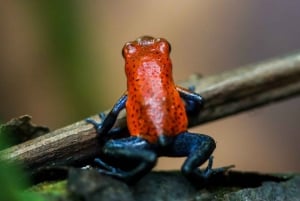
x=109, y=120
x=198, y=148
x=127, y=151
x=194, y=102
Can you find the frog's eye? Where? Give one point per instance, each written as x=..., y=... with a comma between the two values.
x=164, y=46
x=128, y=49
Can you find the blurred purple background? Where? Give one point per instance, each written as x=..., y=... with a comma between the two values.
x=61, y=62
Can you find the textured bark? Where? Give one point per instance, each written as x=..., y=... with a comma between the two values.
x=225, y=94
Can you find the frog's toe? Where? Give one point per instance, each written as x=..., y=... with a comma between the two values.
x=102, y=115
x=97, y=125
x=91, y=121
x=119, y=174
x=192, y=88
x=112, y=171
x=104, y=166
x=209, y=171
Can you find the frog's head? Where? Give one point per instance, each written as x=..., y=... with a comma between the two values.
x=147, y=58
x=146, y=46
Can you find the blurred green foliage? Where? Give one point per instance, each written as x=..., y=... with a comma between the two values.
x=56, y=188
x=63, y=30
x=61, y=25
x=13, y=182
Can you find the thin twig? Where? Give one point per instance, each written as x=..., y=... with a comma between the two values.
x=225, y=94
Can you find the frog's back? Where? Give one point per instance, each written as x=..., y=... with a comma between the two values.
x=154, y=106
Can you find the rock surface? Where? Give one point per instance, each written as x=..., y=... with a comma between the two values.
x=89, y=185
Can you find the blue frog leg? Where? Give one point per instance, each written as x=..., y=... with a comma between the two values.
x=194, y=102
x=109, y=120
x=198, y=149
x=134, y=152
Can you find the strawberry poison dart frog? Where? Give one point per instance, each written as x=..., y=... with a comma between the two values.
x=156, y=112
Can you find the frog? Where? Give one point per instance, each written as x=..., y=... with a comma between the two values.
x=157, y=119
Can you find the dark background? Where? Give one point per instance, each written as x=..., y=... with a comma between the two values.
x=60, y=61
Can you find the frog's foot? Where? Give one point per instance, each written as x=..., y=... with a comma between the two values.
x=107, y=169
x=209, y=171
x=198, y=148
x=97, y=125
x=130, y=150
x=204, y=175
x=192, y=88
x=194, y=102
x=129, y=176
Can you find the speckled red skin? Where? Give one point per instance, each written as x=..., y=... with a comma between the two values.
x=154, y=106
x=156, y=118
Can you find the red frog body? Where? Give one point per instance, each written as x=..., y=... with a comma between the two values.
x=157, y=120
x=154, y=106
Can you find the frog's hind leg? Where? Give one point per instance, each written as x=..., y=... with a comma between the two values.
x=198, y=148
x=131, y=150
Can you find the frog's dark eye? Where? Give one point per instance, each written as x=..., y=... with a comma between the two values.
x=169, y=47
x=128, y=49
x=164, y=46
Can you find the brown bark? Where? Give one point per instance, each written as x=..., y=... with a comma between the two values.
x=225, y=94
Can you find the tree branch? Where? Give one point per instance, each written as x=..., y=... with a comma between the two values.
x=225, y=94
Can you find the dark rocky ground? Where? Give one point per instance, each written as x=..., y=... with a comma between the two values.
x=89, y=185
